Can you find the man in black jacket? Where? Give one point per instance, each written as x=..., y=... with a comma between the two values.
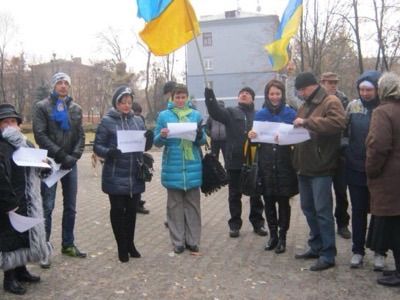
x=57, y=127
x=238, y=121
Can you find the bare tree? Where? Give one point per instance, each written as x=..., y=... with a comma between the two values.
x=7, y=32
x=320, y=25
x=387, y=32
x=111, y=40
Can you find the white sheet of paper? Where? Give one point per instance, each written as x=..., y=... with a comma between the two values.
x=30, y=157
x=186, y=131
x=131, y=140
x=22, y=223
x=56, y=174
x=266, y=131
x=287, y=134
x=294, y=136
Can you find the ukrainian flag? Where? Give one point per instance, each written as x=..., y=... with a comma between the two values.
x=170, y=24
x=278, y=49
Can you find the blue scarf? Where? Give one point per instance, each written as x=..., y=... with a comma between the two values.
x=60, y=112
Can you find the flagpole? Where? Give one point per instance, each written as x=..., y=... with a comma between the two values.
x=197, y=46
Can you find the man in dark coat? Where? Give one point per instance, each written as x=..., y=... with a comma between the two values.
x=238, y=122
x=57, y=127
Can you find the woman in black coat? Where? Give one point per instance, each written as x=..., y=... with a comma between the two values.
x=120, y=170
x=278, y=177
x=19, y=192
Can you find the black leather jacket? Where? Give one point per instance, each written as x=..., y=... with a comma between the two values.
x=50, y=136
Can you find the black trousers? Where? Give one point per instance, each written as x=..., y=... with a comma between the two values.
x=235, y=204
x=282, y=219
x=342, y=203
x=359, y=196
x=123, y=220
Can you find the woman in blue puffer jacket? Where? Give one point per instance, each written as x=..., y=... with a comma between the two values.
x=119, y=177
x=181, y=171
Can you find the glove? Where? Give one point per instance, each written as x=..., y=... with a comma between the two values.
x=209, y=94
x=148, y=134
x=60, y=155
x=68, y=162
x=113, y=152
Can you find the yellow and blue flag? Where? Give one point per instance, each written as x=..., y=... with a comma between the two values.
x=170, y=24
x=278, y=49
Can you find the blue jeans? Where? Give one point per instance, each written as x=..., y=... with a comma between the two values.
x=317, y=205
x=69, y=188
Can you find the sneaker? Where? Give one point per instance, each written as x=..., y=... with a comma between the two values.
x=45, y=263
x=344, y=232
x=261, y=231
x=73, y=251
x=356, y=261
x=379, y=262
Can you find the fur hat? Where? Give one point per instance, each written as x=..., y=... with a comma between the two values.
x=249, y=90
x=305, y=79
x=120, y=92
x=8, y=111
x=58, y=77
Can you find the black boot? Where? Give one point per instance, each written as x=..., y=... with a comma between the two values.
x=11, y=284
x=117, y=224
x=272, y=220
x=273, y=240
x=133, y=252
x=281, y=247
x=131, y=224
x=23, y=275
x=284, y=223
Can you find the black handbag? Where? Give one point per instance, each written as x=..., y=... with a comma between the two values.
x=249, y=183
x=145, y=165
x=214, y=174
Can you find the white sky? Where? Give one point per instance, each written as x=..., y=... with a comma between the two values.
x=69, y=28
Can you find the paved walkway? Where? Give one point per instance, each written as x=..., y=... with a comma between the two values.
x=227, y=269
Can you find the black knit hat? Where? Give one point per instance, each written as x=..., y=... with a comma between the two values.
x=120, y=92
x=305, y=79
x=249, y=90
x=8, y=111
x=169, y=87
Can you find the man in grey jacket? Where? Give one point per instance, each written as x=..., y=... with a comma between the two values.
x=57, y=127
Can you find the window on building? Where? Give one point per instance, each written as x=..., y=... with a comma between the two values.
x=208, y=63
x=207, y=39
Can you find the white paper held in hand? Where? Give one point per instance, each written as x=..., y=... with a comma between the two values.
x=131, y=140
x=287, y=134
x=21, y=223
x=56, y=173
x=30, y=157
x=186, y=131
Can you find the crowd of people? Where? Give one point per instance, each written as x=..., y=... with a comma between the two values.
x=353, y=145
